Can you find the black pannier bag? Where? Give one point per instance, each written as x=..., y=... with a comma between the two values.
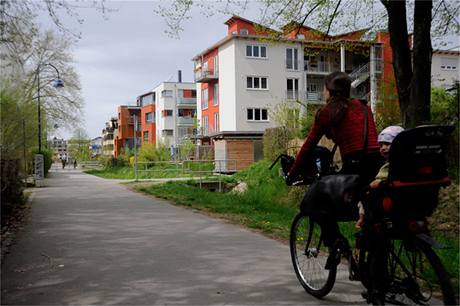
x=418, y=168
x=332, y=195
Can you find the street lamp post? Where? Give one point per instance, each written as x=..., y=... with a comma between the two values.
x=39, y=162
x=57, y=83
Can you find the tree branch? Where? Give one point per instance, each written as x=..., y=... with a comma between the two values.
x=332, y=18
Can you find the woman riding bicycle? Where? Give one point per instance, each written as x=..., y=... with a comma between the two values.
x=344, y=121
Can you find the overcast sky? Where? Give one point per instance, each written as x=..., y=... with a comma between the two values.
x=129, y=54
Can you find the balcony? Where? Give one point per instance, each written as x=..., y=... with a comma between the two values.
x=205, y=76
x=314, y=97
x=181, y=101
x=185, y=121
x=320, y=67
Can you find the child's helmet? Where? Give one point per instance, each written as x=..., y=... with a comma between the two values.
x=389, y=133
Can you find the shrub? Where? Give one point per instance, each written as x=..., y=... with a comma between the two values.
x=186, y=149
x=276, y=142
x=147, y=152
x=11, y=186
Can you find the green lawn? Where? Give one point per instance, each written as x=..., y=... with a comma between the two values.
x=155, y=171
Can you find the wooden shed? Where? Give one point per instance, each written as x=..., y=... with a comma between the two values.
x=234, y=151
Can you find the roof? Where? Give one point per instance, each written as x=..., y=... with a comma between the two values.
x=235, y=17
x=294, y=25
x=334, y=39
x=240, y=135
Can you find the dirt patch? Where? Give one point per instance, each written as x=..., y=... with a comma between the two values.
x=11, y=225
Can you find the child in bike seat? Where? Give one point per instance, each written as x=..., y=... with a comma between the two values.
x=385, y=139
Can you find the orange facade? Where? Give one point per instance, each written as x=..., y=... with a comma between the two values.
x=237, y=24
x=125, y=136
x=212, y=88
x=148, y=127
x=213, y=106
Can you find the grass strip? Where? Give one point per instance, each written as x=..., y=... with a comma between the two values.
x=271, y=218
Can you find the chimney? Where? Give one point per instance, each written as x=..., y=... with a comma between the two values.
x=179, y=76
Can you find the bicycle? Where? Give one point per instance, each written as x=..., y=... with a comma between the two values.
x=414, y=273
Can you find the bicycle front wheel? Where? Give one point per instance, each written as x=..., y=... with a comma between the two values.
x=309, y=255
x=418, y=276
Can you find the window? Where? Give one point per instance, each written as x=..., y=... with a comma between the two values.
x=257, y=114
x=244, y=32
x=216, y=121
x=204, y=99
x=256, y=51
x=292, y=86
x=150, y=117
x=216, y=65
x=448, y=63
x=167, y=133
x=256, y=83
x=216, y=94
x=148, y=99
x=167, y=93
x=146, y=136
x=166, y=113
x=291, y=59
x=205, y=125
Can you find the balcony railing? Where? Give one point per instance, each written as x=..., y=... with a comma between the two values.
x=186, y=101
x=185, y=120
x=320, y=67
x=314, y=97
x=203, y=76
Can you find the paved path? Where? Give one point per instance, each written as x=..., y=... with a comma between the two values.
x=93, y=241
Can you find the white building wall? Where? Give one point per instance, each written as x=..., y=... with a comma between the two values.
x=444, y=77
x=168, y=103
x=227, y=87
x=274, y=68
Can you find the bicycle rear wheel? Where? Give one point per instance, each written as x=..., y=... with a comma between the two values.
x=418, y=276
x=309, y=255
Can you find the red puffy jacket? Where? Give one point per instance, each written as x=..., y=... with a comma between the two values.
x=347, y=132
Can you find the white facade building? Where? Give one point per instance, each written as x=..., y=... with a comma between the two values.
x=175, y=112
x=108, y=137
x=253, y=75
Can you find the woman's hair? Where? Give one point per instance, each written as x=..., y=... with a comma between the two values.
x=338, y=84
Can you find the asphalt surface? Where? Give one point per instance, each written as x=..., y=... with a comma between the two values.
x=92, y=241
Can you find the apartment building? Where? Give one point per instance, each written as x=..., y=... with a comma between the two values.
x=245, y=75
x=168, y=113
x=59, y=147
x=124, y=137
x=95, y=146
x=108, y=137
x=242, y=77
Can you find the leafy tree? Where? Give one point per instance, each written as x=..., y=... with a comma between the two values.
x=427, y=19
x=79, y=145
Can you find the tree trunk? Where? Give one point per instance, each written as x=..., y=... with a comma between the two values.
x=418, y=111
x=399, y=41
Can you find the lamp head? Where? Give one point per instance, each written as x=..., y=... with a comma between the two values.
x=58, y=83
